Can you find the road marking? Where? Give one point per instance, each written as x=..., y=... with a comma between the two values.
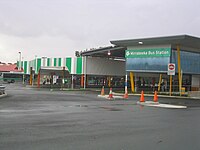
x=114, y=97
x=157, y=104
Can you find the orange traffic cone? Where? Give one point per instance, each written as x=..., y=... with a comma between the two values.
x=102, y=91
x=142, y=97
x=155, y=98
x=126, y=94
x=110, y=93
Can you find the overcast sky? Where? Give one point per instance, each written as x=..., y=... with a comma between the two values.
x=57, y=28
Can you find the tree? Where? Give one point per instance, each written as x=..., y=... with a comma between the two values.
x=77, y=53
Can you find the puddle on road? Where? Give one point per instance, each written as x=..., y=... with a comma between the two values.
x=110, y=108
x=124, y=104
x=81, y=105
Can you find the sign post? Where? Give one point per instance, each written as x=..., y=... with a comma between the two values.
x=126, y=83
x=171, y=72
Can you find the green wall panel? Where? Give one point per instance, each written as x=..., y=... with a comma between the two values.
x=59, y=62
x=68, y=63
x=79, y=65
x=55, y=62
x=48, y=62
x=25, y=66
x=39, y=61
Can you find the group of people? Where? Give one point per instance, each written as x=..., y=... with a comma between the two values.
x=141, y=84
x=164, y=86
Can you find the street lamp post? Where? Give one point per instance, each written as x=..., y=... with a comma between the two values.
x=23, y=73
x=20, y=63
x=34, y=66
x=85, y=69
x=20, y=66
x=35, y=63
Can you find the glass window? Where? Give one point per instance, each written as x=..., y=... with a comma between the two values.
x=190, y=62
x=147, y=64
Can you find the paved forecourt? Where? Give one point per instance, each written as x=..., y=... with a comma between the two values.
x=42, y=119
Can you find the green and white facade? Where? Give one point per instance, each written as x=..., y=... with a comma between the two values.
x=73, y=64
x=94, y=71
x=78, y=65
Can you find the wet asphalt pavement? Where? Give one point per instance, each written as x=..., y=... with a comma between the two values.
x=32, y=119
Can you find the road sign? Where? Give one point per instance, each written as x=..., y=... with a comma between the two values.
x=171, y=69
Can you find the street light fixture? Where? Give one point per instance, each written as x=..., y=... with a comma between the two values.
x=109, y=53
x=140, y=42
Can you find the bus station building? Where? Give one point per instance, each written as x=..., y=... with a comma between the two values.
x=147, y=61
x=144, y=61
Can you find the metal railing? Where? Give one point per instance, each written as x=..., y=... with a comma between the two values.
x=2, y=89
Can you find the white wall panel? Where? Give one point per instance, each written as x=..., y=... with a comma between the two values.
x=103, y=66
x=196, y=81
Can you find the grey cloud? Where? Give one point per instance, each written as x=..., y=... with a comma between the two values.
x=79, y=24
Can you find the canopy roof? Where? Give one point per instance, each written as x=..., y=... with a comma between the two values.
x=186, y=42
x=182, y=40
x=115, y=51
x=9, y=68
